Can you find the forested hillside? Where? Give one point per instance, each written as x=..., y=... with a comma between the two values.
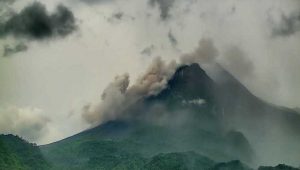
x=18, y=154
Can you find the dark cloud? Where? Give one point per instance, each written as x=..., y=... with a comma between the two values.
x=34, y=22
x=10, y=50
x=164, y=7
x=288, y=25
x=172, y=39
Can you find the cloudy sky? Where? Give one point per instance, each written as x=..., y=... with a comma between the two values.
x=58, y=56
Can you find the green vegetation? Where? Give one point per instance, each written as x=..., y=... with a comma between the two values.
x=179, y=161
x=278, y=167
x=92, y=154
x=232, y=165
x=17, y=154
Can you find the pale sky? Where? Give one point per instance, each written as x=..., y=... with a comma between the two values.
x=44, y=88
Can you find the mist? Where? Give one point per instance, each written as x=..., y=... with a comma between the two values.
x=29, y=123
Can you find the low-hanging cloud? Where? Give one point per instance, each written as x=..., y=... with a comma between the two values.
x=26, y=122
x=34, y=22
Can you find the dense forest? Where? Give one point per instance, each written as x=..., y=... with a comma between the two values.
x=18, y=154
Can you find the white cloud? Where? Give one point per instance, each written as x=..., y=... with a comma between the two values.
x=28, y=122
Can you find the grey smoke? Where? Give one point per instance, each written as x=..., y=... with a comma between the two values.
x=155, y=78
x=118, y=94
x=34, y=22
x=236, y=61
x=206, y=52
x=113, y=101
x=164, y=7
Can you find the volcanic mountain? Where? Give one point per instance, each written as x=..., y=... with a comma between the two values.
x=195, y=120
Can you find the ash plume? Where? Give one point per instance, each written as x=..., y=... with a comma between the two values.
x=118, y=94
x=206, y=52
x=113, y=100
x=154, y=80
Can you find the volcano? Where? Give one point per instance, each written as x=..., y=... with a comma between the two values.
x=194, y=123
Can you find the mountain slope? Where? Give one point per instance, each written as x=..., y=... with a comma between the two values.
x=179, y=161
x=232, y=165
x=16, y=153
x=220, y=119
x=266, y=126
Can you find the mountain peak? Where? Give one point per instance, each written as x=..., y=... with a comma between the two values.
x=189, y=82
x=190, y=71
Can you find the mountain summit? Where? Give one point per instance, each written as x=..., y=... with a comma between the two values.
x=188, y=83
x=219, y=119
